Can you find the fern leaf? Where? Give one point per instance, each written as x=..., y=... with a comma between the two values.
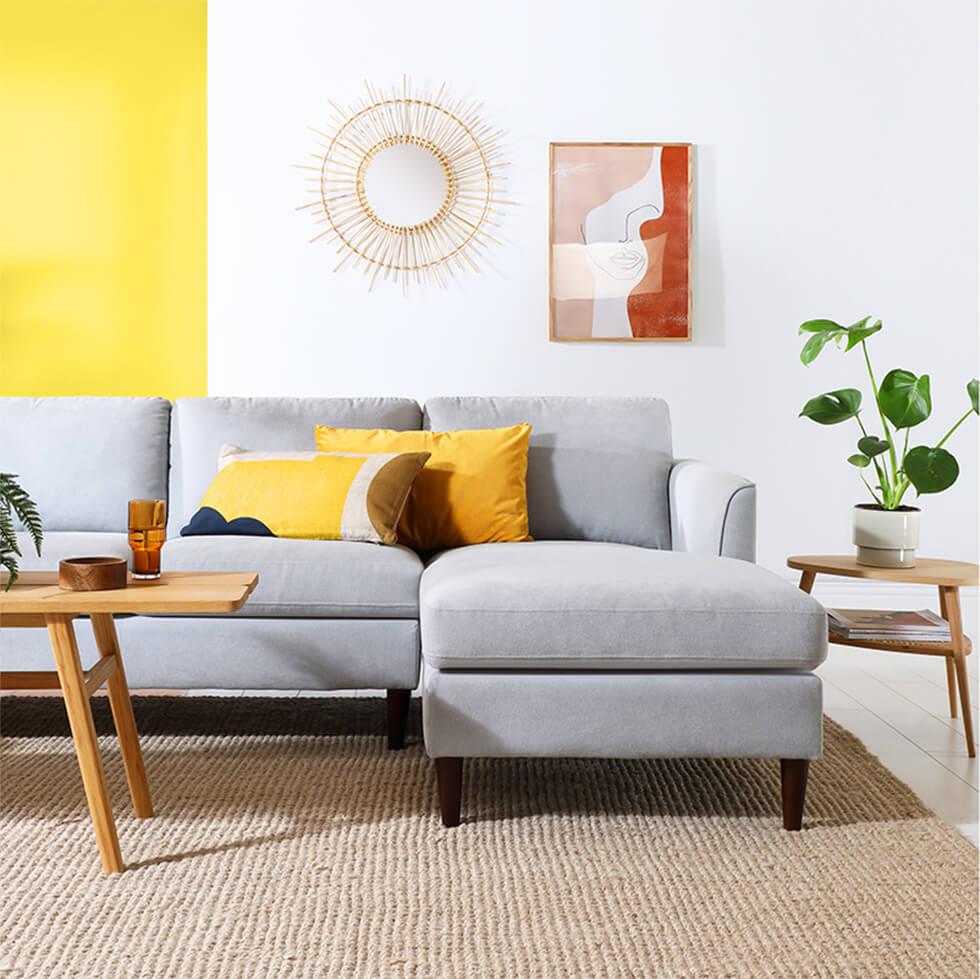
x=16, y=497
x=8, y=560
x=8, y=537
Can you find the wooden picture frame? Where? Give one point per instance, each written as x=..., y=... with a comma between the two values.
x=619, y=241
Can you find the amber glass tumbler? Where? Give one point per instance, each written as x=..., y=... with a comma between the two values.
x=147, y=532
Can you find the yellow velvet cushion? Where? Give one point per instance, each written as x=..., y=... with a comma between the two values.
x=473, y=489
x=311, y=495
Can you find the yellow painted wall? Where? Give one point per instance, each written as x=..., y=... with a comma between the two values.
x=103, y=197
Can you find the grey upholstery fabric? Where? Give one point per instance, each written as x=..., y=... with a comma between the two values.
x=239, y=653
x=597, y=467
x=59, y=544
x=309, y=578
x=297, y=578
x=738, y=531
x=711, y=512
x=622, y=715
x=83, y=459
x=586, y=605
x=202, y=425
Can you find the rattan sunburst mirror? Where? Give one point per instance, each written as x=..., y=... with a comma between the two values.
x=408, y=185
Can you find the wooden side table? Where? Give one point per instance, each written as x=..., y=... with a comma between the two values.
x=36, y=601
x=948, y=577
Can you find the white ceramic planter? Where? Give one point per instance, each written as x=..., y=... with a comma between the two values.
x=886, y=538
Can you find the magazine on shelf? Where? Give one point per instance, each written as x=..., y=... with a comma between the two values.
x=878, y=624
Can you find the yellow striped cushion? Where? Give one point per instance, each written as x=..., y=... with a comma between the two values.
x=312, y=495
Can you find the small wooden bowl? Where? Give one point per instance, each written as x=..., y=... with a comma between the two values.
x=92, y=573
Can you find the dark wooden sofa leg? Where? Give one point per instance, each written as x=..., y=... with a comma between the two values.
x=398, y=704
x=449, y=778
x=793, y=772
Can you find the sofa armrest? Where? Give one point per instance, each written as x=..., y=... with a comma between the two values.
x=711, y=512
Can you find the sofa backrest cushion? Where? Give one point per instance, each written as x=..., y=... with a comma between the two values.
x=597, y=467
x=202, y=425
x=82, y=459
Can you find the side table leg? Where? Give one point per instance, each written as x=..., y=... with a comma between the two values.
x=69, y=666
x=806, y=581
x=951, y=684
x=955, y=619
x=122, y=714
x=950, y=665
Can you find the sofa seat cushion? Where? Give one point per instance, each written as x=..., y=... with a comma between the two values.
x=596, y=606
x=309, y=578
x=59, y=544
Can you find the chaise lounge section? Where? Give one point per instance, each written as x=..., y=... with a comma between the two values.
x=600, y=639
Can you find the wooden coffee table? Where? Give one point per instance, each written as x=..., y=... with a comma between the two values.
x=948, y=577
x=35, y=600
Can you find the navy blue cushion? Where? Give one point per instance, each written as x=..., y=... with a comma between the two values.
x=208, y=522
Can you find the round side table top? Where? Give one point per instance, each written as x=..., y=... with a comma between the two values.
x=927, y=570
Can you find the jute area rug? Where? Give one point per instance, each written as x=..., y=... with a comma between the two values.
x=290, y=843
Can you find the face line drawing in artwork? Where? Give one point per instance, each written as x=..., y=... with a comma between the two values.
x=628, y=259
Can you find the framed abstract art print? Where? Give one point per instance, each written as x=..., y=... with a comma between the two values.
x=620, y=241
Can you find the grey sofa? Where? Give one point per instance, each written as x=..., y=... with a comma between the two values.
x=634, y=625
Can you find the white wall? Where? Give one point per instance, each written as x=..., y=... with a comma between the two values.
x=836, y=175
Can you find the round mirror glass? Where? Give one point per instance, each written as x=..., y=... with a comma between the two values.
x=405, y=184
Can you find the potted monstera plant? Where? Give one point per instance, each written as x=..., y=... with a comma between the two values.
x=886, y=531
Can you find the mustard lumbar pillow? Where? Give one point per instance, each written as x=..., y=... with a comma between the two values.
x=473, y=489
x=311, y=495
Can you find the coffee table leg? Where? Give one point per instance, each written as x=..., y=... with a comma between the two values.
x=951, y=597
x=69, y=666
x=122, y=714
x=806, y=581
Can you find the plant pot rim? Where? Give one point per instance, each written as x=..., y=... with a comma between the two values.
x=876, y=506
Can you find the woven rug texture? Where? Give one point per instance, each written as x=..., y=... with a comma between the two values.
x=288, y=842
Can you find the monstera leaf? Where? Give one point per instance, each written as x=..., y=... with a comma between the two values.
x=973, y=390
x=823, y=331
x=833, y=407
x=931, y=470
x=860, y=331
x=872, y=446
x=820, y=326
x=904, y=398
